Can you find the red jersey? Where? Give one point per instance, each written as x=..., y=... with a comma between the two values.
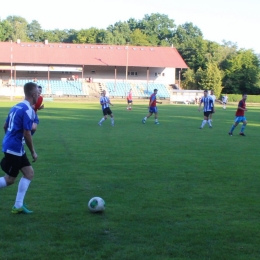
x=38, y=103
x=153, y=100
x=129, y=97
x=241, y=104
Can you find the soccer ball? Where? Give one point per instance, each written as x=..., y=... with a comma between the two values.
x=96, y=204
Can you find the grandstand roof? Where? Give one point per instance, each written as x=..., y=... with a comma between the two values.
x=89, y=54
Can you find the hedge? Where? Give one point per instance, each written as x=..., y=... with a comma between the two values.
x=238, y=97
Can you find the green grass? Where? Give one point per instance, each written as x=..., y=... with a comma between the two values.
x=172, y=191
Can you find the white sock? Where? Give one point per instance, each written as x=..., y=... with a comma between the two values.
x=22, y=188
x=102, y=120
x=2, y=183
x=209, y=122
x=145, y=118
x=112, y=120
x=203, y=123
x=156, y=120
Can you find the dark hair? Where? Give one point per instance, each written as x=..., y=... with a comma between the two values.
x=39, y=86
x=155, y=90
x=206, y=90
x=29, y=88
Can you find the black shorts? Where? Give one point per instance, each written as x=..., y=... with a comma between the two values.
x=211, y=112
x=129, y=101
x=107, y=111
x=207, y=113
x=12, y=164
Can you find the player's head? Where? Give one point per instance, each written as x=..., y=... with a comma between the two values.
x=155, y=90
x=31, y=92
x=39, y=90
x=212, y=92
x=244, y=96
x=205, y=92
x=104, y=93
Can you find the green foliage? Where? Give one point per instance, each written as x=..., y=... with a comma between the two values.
x=159, y=26
x=238, y=97
x=35, y=32
x=87, y=36
x=211, y=78
x=189, y=81
x=139, y=39
x=172, y=191
x=242, y=73
x=19, y=28
x=6, y=30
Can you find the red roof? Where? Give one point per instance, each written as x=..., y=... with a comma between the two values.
x=32, y=53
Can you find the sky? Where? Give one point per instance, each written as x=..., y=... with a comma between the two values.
x=236, y=21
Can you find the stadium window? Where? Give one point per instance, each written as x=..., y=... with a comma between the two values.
x=2, y=71
x=132, y=73
x=163, y=74
x=32, y=72
x=93, y=71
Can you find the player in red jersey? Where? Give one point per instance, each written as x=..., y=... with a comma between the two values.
x=36, y=107
x=240, y=116
x=153, y=108
x=129, y=100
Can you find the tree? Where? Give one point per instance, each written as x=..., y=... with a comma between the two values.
x=133, y=24
x=158, y=27
x=189, y=81
x=211, y=78
x=188, y=39
x=34, y=31
x=71, y=35
x=87, y=36
x=19, y=26
x=139, y=39
x=121, y=31
x=55, y=35
x=242, y=73
x=6, y=31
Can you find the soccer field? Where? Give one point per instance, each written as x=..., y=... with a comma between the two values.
x=172, y=191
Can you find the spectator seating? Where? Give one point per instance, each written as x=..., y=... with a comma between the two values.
x=57, y=87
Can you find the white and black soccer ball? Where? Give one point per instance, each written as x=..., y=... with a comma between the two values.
x=96, y=204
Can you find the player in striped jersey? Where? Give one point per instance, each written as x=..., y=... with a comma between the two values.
x=208, y=108
x=105, y=102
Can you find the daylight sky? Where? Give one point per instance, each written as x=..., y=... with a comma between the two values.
x=237, y=21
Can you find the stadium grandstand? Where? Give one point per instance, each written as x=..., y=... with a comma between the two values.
x=87, y=69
